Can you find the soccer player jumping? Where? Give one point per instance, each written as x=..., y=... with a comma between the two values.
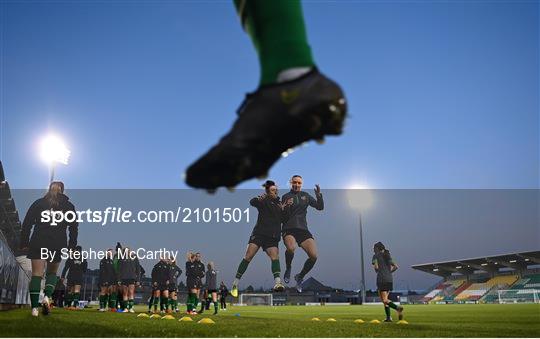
x=295, y=229
x=265, y=234
x=294, y=102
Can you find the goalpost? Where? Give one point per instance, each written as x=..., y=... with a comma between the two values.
x=256, y=299
x=519, y=296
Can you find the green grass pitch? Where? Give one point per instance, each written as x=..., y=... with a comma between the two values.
x=286, y=321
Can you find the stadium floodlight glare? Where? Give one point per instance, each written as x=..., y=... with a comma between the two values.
x=53, y=150
x=360, y=199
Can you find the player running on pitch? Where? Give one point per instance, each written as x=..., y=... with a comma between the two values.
x=385, y=266
x=174, y=274
x=46, y=236
x=107, y=281
x=294, y=102
x=265, y=234
x=295, y=229
x=75, y=267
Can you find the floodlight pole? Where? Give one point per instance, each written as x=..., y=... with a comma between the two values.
x=363, y=280
x=51, y=172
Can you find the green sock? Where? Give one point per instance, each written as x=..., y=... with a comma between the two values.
x=123, y=304
x=34, y=288
x=215, y=306
x=50, y=283
x=175, y=304
x=163, y=304
x=191, y=299
x=387, y=312
x=156, y=302
x=276, y=270
x=130, y=303
x=242, y=268
x=102, y=301
x=76, y=299
x=278, y=32
x=394, y=306
x=112, y=300
x=150, y=302
x=195, y=302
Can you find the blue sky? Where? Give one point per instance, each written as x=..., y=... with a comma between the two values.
x=442, y=94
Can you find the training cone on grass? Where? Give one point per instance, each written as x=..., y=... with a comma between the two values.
x=143, y=315
x=403, y=322
x=155, y=316
x=331, y=320
x=315, y=319
x=185, y=319
x=375, y=321
x=206, y=321
x=168, y=317
x=358, y=321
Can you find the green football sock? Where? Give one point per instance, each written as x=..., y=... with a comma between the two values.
x=102, y=300
x=34, y=288
x=76, y=296
x=130, y=303
x=67, y=303
x=123, y=304
x=278, y=32
x=163, y=304
x=276, y=270
x=215, y=306
x=394, y=306
x=156, y=302
x=242, y=268
x=308, y=265
x=387, y=311
x=50, y=283
x=150, y=302
x=112, y=300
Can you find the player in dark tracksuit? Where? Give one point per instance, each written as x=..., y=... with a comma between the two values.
x=46, y=236
x=129, y=273
x=211, y=285
x=295, y=229
x=174, y=273
x=75, y=269
x=223, y=293
x=107, y=280
x=194, y=274
x=160, y=285
x=265, y=234
x=384, y=265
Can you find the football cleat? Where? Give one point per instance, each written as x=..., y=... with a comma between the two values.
x=131, y=310
x=388, y=320
x=234, y=291
x=278, y=287
x=287, y=275
x=271, y=122
x=45, y=306
x=35, y=312
x=299, y=280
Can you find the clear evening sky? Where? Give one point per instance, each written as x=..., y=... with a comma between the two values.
x=442, y=94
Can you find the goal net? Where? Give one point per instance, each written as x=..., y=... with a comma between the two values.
x=256, y=299
x=518, y=296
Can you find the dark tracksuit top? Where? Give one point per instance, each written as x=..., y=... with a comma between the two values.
x=160, y=272
x=44, y=234
x=269, y=218
x=194, y=272
x=295, y=214
x=74, y=269
x=129, y=269
x=211, y=280
x=174, y=273
x=384, y=273
x=223, y=291
x=107, y=273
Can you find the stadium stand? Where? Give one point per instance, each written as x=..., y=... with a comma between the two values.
x=14, y=282
x=515, y=275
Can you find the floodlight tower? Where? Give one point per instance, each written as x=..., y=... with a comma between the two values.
x=52, y=151
x=360, y=199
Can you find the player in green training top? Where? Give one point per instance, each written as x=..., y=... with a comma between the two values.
x=384, y=265
x=265, y=234
x=293, y=103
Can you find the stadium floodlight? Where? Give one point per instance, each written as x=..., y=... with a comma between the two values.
x=53, y=150
x=360, y=199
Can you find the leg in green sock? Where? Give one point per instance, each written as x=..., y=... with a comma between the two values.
x=215, y=307
x=242, y=268
x=112, y=300
x=392, y=305
x=276, y=270
x=34, y=289
x=278, y=32
x=50, y=283
x=156, y=302
x=387, y=311
x=76, y=296
x=150, y=303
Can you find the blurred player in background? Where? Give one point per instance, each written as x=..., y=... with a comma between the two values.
x=75, y=268
x=160, y=284
x=107, y=280
x=129, y=273
x=174, y=274
x=223, y=293
x=384, y=265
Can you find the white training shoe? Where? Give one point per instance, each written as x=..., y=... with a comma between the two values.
x=45, y=306
x=35, y=312
x=131, y=310
x=125, y=310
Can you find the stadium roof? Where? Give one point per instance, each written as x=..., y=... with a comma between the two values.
x=491, y=264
